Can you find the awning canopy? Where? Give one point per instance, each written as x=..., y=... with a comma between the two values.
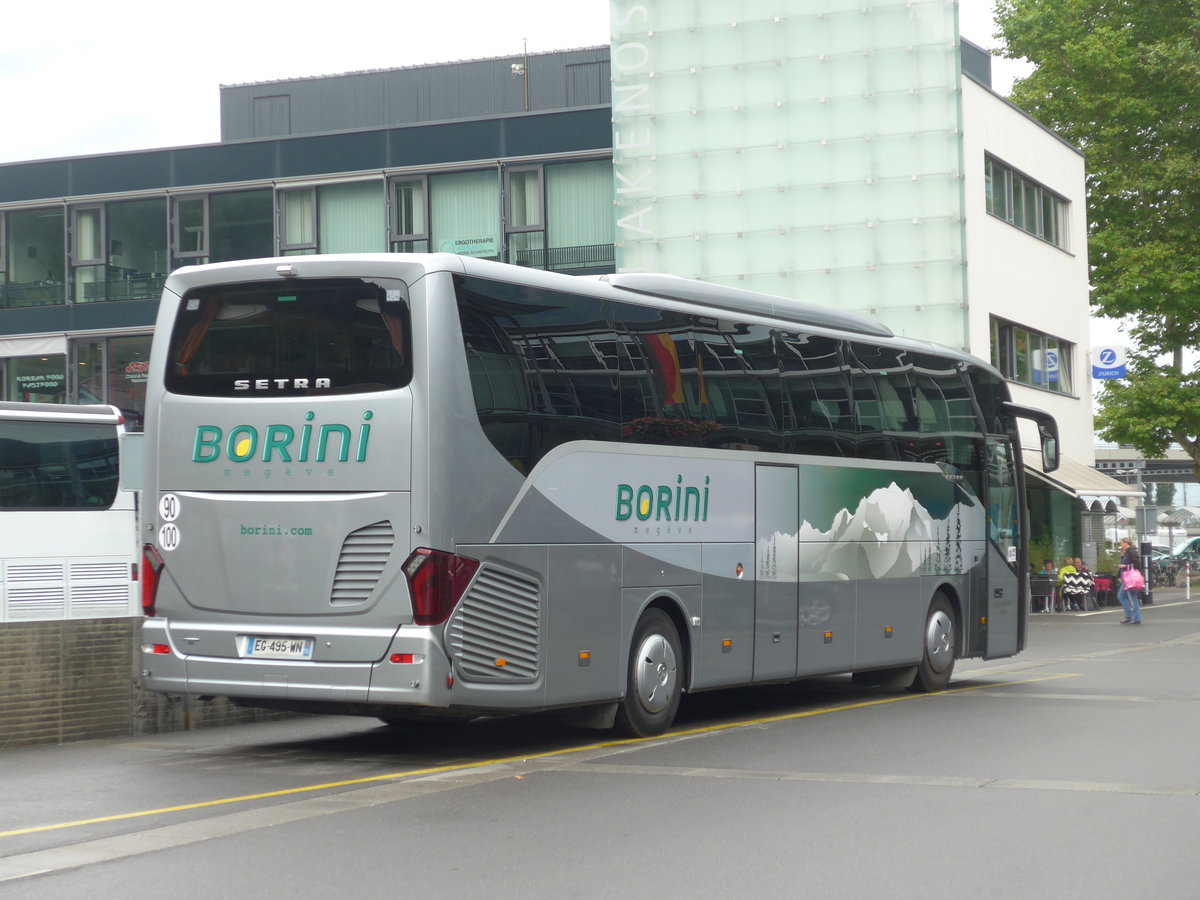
x=1093, y=488
x=43, y=345
x=1180, y=515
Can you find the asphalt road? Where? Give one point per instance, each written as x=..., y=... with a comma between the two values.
x=1072, y=770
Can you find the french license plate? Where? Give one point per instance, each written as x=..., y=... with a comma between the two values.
x=266, y=647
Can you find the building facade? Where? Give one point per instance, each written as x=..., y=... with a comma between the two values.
x=853, y=155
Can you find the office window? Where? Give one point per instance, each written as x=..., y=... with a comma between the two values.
x=464, y=213
x=352, y=217
x=87, y=252
x=35, y=251
x=89, y=235
x=579, y=216
x=409, y=220
x=1032, y=358
x=1023, y=202
x=119, y=250
x=525, y=231
x=137, y=248
x=298, y=221
x=224, y=227
x=559, y=216
x=191, y=230
x=241, y=225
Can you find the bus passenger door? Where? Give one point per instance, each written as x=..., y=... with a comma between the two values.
x=1003, y=538
x=776, y=568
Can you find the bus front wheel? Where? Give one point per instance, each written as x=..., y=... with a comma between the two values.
x=937, y=659
x=654, y=684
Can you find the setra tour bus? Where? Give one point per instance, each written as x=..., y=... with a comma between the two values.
x=409, y=485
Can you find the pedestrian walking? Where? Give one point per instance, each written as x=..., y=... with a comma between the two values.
x=1130, y=583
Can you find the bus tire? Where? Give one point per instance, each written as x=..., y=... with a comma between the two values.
x=939, y=643
x=654, y=684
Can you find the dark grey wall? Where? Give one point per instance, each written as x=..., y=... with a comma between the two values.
x=519, y=134
x=563, y=79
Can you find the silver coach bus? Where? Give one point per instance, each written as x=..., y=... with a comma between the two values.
x=404, y=485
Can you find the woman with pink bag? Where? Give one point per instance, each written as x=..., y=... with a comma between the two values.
x=1132, y=583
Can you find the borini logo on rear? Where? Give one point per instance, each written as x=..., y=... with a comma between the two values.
x=281, y=443
x=280, y=384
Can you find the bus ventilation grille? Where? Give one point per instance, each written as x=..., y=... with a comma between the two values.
x=494, y=634
x=364, y=554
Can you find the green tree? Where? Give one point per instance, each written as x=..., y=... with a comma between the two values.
x=1120, y=79
x=1164, y=494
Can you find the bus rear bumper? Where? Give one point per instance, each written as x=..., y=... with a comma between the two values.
x=413, y=672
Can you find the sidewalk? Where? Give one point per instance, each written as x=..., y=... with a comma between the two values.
x=1174, y=594
x=1162, y=595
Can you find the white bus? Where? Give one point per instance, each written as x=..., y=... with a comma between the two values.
x=68, y=532
x=402, y=485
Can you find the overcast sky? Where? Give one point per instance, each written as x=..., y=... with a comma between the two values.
x=80, y=77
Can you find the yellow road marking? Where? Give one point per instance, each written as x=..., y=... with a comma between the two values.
x=522, y=758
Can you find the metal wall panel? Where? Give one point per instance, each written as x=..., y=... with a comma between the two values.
x=562, y=79
x=562, y=131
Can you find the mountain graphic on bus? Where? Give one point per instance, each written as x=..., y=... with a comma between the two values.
x=889, y=534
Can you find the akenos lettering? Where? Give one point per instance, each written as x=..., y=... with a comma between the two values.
x=663, y=502
x=244, y=443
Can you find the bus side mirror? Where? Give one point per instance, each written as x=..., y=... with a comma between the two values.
x=1049, y=448
x=1047, y=430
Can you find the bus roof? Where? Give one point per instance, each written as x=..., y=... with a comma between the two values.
x=94, y=414
x=701, y=295
x=673, y=287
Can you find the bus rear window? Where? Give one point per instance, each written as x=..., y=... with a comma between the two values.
x=51, y=465
x=340, y=336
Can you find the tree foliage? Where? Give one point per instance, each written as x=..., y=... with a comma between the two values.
x=1164, y=494
x=1121, y=80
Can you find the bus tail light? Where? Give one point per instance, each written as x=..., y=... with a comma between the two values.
x=436, y=582
x=152, y=565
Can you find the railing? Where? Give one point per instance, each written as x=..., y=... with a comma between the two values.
x=52, y=293
x=133, y=287
x=588, y=256
x=34, y=293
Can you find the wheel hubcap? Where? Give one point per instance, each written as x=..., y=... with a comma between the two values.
x=939, y=640
x=656, y=673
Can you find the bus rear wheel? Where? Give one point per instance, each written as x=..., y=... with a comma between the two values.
x=937, y=658
x=654, y=684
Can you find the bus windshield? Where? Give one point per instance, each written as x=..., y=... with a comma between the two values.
x=325, y=337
